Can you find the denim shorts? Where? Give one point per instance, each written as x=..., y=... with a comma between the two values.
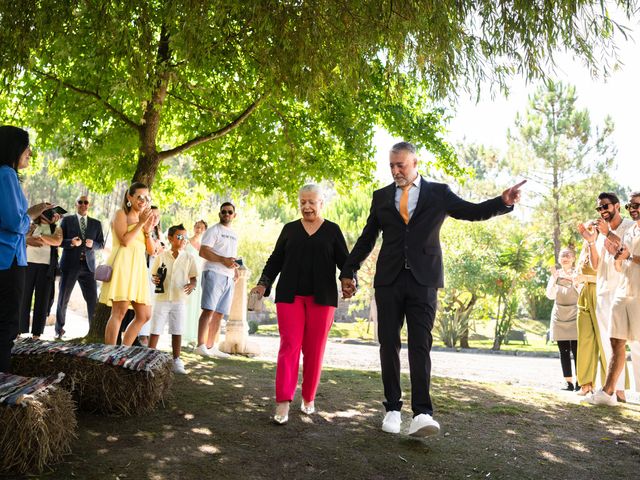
x=217, y=292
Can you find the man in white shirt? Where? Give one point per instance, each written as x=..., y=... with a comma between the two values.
x=603, y=243
x=219, y=247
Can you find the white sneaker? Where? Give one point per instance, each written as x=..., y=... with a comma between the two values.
x=178, y=366
x=215, y=352
x=203, y=350
x=423, y=425
x=602, y=398
x=392, y=421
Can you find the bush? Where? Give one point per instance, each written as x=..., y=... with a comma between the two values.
x=253, y=327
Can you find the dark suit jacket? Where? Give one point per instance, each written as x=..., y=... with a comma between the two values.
x=71, y=255
x=419, y=241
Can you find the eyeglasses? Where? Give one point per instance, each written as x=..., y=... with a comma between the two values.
x=83, y=202
x=604, y=206
x=226, y=212
x=632, y=206
x=144, y=198
x=181, y=237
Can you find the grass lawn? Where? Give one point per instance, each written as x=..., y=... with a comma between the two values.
x=216, y=425
x=481, y=337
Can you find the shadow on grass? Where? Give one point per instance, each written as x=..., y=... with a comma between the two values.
x=217, y=424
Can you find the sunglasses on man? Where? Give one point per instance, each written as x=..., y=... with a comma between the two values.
x=632, y=206
x=604, y=206
x=226, y=212
x=181, y=237
x=83, y=202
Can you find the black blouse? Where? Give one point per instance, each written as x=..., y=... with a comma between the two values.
x=314, y=257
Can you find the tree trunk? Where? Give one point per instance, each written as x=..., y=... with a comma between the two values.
x=148, y=163
x=98, y=324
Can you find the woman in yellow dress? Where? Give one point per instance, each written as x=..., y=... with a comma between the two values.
x=129, y=284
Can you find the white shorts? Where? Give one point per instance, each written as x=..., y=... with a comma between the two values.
x=175, y=313
x=625, y=319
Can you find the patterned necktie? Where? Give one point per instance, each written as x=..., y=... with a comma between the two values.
x=404, y=203
x=83, y=227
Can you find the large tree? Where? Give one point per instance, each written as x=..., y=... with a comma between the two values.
x=556, y=145
x=263, y=94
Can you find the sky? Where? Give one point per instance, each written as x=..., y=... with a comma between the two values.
x=487, y=121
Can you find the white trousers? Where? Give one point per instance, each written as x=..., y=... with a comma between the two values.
x=604, y=302
x=635, y=362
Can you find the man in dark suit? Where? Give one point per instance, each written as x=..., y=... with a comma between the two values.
x=81, y=237
x=409, y=271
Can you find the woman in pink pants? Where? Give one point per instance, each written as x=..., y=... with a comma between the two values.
x=306, y=256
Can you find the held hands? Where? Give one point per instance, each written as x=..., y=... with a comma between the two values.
x=76, y=241
x=623, y=253
x=348, y=287
x=511, y=195
x=258, y=290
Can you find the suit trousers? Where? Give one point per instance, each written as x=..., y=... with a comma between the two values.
x=88, y=285
x=11, y=292
x=38, y=283
x=406, y=298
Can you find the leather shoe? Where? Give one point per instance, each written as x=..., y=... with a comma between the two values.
x=423, y=425
x=392, y=422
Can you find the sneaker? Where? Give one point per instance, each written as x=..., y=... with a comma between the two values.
x=178, y=366
x=203, y=350
x=602, y=398
x=423, y=425
x=216, y=353
x=392, y=421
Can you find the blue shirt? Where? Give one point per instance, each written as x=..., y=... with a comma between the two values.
x=14, y=221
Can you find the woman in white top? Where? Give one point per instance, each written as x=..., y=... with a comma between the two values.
x=562, y=290
x=41, y=271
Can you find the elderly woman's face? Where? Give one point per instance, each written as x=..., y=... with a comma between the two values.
x=310, y=205
x=567, y=259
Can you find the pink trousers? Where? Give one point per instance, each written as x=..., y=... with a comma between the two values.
x=303, y=325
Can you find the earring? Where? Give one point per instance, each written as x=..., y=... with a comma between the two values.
x=129, y=204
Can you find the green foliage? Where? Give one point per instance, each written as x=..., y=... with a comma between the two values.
x=556, y=146
x=264, y=96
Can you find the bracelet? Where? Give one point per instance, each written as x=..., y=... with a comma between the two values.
x=591, y=243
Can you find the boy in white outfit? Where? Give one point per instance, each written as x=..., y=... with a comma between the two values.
x=175, y=273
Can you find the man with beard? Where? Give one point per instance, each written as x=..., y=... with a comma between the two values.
x=219, y=247
x=604, y=242
x=625, y=311
x=409, y=212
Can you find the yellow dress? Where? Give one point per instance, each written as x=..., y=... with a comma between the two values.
x=130, y=277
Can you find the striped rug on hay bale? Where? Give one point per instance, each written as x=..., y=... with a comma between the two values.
x=109, y=379
x=37, y=423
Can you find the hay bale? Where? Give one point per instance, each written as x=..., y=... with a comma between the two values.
x=107, y=379
x=37, y=423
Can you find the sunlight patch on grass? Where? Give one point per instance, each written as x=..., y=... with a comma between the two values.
x=578, y=447
x=112, y=438
x=205, y=381
x=189, y=416
x=209, y=449
x=201, y=431
x=238, y=385
x=550, y=457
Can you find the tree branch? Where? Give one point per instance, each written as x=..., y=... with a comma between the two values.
x=121, y=115
x=213, y=135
